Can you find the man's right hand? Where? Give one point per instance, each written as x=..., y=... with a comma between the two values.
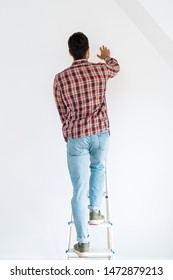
x=105, y=52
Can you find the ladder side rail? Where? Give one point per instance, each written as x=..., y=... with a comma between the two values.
x=110, y=238
x=69, y=236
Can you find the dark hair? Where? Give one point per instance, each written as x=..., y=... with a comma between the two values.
x=78, y=45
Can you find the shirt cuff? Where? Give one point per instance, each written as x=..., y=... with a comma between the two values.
x=106, y=57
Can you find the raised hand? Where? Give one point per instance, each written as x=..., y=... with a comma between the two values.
x=105, y=52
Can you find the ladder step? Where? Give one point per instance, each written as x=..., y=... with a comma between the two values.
x=105, y=224
x=93, y=253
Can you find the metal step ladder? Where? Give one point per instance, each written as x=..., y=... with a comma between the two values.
x=105, y=253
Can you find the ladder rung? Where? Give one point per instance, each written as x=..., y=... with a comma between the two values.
x=105, y=224
x=93, y=253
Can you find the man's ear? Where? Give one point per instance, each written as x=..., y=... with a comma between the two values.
x=88, y=53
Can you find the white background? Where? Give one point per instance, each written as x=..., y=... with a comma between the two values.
x=35, y=189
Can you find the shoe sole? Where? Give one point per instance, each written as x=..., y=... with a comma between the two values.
x=81, y=254
x=96, y=222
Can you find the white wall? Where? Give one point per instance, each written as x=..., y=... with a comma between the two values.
x=35, y=188
x=161, y=11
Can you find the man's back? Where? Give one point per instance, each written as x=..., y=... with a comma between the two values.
x=80, y=96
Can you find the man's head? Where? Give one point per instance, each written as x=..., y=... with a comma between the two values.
x=78, y=46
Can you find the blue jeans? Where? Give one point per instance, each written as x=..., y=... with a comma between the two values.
x=84, y=153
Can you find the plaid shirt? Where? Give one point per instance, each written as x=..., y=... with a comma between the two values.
x=80, y=97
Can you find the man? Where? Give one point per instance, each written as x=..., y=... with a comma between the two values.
x=80, y=98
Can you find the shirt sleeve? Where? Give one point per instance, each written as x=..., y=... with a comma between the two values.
x=59, y=101
x=111, y=67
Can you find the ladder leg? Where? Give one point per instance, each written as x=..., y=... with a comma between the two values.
x=109, y=229
x=69, y=237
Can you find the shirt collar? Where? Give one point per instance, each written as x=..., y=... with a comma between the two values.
x=79, y=62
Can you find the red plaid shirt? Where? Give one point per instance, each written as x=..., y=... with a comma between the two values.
x=80, y=97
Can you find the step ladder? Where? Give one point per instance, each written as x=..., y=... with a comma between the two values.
x=105, y=253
